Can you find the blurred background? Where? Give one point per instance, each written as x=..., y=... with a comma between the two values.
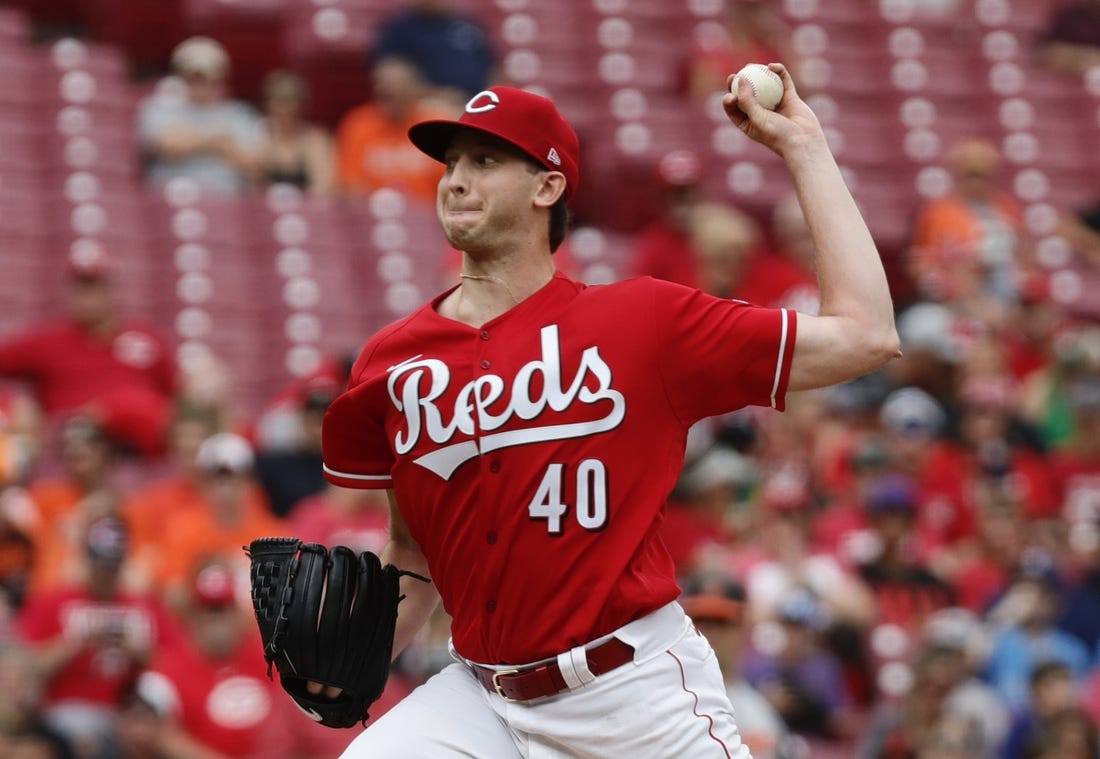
x=207, y=206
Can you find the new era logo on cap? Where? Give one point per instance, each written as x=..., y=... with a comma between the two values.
x=530, y=122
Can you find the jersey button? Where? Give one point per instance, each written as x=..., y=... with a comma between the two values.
x=491, y=538
x=491, y=606
x=484, y=334
x=494, y=467
x=485, y=363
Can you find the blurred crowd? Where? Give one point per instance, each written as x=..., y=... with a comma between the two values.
x=905, y=566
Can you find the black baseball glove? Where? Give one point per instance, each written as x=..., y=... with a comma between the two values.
x=326, y=617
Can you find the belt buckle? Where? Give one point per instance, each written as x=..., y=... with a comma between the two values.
x=496, y=683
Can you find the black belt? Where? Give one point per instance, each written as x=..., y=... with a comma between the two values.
x=541, y=680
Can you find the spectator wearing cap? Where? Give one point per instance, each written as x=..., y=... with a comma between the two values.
x=211, y=685
x=450, y=50
x=799, y=676
x=932, y=343
x=706, y=509
x=200, y=134
x=140, y=729
x=906, y=592
x=1027, y=635
x=663, y=248
x=91, y=638
x=372, y=144
x=234, y=513
x=95, y=361
x=959, y=639
x=966, y=244
x=716, y=604
x=913, y=424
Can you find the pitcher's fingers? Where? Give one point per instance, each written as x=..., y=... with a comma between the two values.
x=328, y=691
x=746, y=100
x=788, y=80
x=729, y=105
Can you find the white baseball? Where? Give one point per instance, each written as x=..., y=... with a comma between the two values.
x=766, y=84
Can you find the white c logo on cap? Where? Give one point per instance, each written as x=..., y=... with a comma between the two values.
x=472, y=107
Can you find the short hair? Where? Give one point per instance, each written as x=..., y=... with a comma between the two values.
x=559, y=212
x=1047, y=670
x=559, y=223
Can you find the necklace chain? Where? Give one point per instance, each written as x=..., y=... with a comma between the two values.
x=491, y=278
x=499, y=281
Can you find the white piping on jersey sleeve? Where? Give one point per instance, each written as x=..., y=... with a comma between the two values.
x=779, y=359
x=363, y=477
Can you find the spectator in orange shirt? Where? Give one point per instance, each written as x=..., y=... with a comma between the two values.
x=64, y=506
x=175, y=495
x=966, y=244
x=373, y=148
x=234, y=513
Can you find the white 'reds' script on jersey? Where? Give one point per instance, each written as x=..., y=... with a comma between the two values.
x=417, y=383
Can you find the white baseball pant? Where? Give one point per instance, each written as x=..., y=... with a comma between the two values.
x=669, y=703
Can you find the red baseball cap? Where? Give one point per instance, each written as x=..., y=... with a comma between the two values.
x=530, y=122
x=680, y=168
x=214, y=586
x=89, y=261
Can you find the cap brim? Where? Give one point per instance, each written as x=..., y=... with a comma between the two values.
x=434, y=137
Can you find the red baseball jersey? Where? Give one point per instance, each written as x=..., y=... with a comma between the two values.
x=70, y=366
x=531, y=457
x=224, y=703
x=130, y=376
x=102, y=670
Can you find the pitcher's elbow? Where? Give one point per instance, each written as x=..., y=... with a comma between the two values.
x=887, y=347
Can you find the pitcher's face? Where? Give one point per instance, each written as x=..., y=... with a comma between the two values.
x=485, y=194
